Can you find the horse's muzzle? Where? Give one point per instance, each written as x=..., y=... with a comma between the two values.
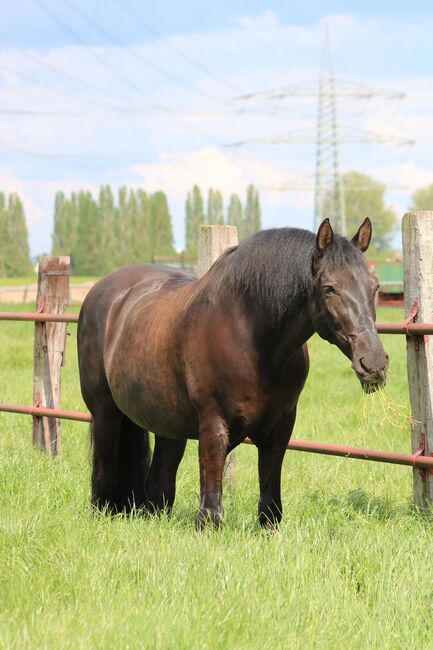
x=371, y=379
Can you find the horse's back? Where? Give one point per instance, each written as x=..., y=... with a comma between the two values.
x=112, y=304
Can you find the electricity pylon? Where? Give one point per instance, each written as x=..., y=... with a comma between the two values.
x=328, y=134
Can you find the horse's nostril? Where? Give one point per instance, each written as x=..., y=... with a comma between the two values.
x=363, y=366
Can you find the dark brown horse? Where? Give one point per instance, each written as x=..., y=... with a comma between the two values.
x=217, y=359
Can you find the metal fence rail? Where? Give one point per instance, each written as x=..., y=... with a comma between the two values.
x=413, y=460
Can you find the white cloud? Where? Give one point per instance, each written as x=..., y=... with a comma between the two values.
x=406, y=175
x=172, y=151
x=208, y=167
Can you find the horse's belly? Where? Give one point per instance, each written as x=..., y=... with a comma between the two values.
x=165, y=410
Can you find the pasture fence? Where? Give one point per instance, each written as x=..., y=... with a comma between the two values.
x=417, y=228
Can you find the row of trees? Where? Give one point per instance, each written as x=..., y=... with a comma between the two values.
x=104, y=234
x=247, y=218
x=14, y=247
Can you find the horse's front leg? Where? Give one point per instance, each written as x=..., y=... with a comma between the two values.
x=212, y=447
x=271, y=456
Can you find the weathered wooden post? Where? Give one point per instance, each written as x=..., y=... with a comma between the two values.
x=417, y=229
x=50, y=341
x=212, y=242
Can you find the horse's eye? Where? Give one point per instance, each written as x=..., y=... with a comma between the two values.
x=328, y=290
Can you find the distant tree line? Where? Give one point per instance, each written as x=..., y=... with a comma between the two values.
x=104, y=234
x=247, y=218
x=14, y=247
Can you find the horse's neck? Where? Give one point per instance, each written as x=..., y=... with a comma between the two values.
x=277, y=340
x=290, y=336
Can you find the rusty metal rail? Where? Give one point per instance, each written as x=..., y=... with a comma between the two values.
x=329, y=449
x=415, y=329
x=413, y=460
x=42, y=411
x=38, y=317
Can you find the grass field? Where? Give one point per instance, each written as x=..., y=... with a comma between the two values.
x=22, y=282
x=348, y=567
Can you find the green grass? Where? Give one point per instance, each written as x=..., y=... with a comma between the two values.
x=18, y=282
x=348, y=567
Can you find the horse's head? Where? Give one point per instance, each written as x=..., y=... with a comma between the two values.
x=342, y=306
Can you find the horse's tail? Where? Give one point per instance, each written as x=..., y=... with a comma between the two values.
x=133, y=465
x=119, y=482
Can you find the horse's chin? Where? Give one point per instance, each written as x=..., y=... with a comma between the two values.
x=372, y=387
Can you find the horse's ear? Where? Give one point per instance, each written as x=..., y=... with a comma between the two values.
x=362, y=238
x=325, y=236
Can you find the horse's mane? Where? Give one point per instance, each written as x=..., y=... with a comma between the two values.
x=274, y=267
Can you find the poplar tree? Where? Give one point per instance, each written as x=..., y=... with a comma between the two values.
x=194, y=217
x=18, y=255
x=215, y=209
x=161, y=231
x=252, y=217
x=108, y=218
x=4, y=235
x=141, y=245
x=101, y=236
x=89, y=237
x=235, y=215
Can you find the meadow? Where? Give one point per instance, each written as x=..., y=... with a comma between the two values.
x=348, y=567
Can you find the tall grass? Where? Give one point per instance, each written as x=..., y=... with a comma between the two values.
x=348, y=568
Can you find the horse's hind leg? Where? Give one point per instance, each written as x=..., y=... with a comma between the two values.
x=161, y=483
x=271, y=456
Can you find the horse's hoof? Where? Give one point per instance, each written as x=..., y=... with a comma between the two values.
x=206, y=517
x=270, y=520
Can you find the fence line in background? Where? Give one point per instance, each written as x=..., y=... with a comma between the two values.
x=418, y=291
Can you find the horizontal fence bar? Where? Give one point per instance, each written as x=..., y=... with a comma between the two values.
x=416, y=329
x=39, y=317
x=40, y=411
x=396, y=458
x=328, y=449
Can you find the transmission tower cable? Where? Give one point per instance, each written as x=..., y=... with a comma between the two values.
x=192, y=61
x=135, y=53
x=70, y=77
x=101, y=59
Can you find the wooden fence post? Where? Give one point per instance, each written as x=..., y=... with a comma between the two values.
x=212, y=242
x=50, y=341
x=417, y=229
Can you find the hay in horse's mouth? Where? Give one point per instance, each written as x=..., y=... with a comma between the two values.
x=369, y=388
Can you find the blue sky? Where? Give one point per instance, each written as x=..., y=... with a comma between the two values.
x=125, y=92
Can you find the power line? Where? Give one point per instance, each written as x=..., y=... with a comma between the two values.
x=106, y=156
x=135, y=53
x=69, y=77
x=197, y=64
x=102, y=60
x=107, y=64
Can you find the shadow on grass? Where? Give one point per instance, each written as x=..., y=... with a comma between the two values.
x=356, y=505
x=360, y=503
